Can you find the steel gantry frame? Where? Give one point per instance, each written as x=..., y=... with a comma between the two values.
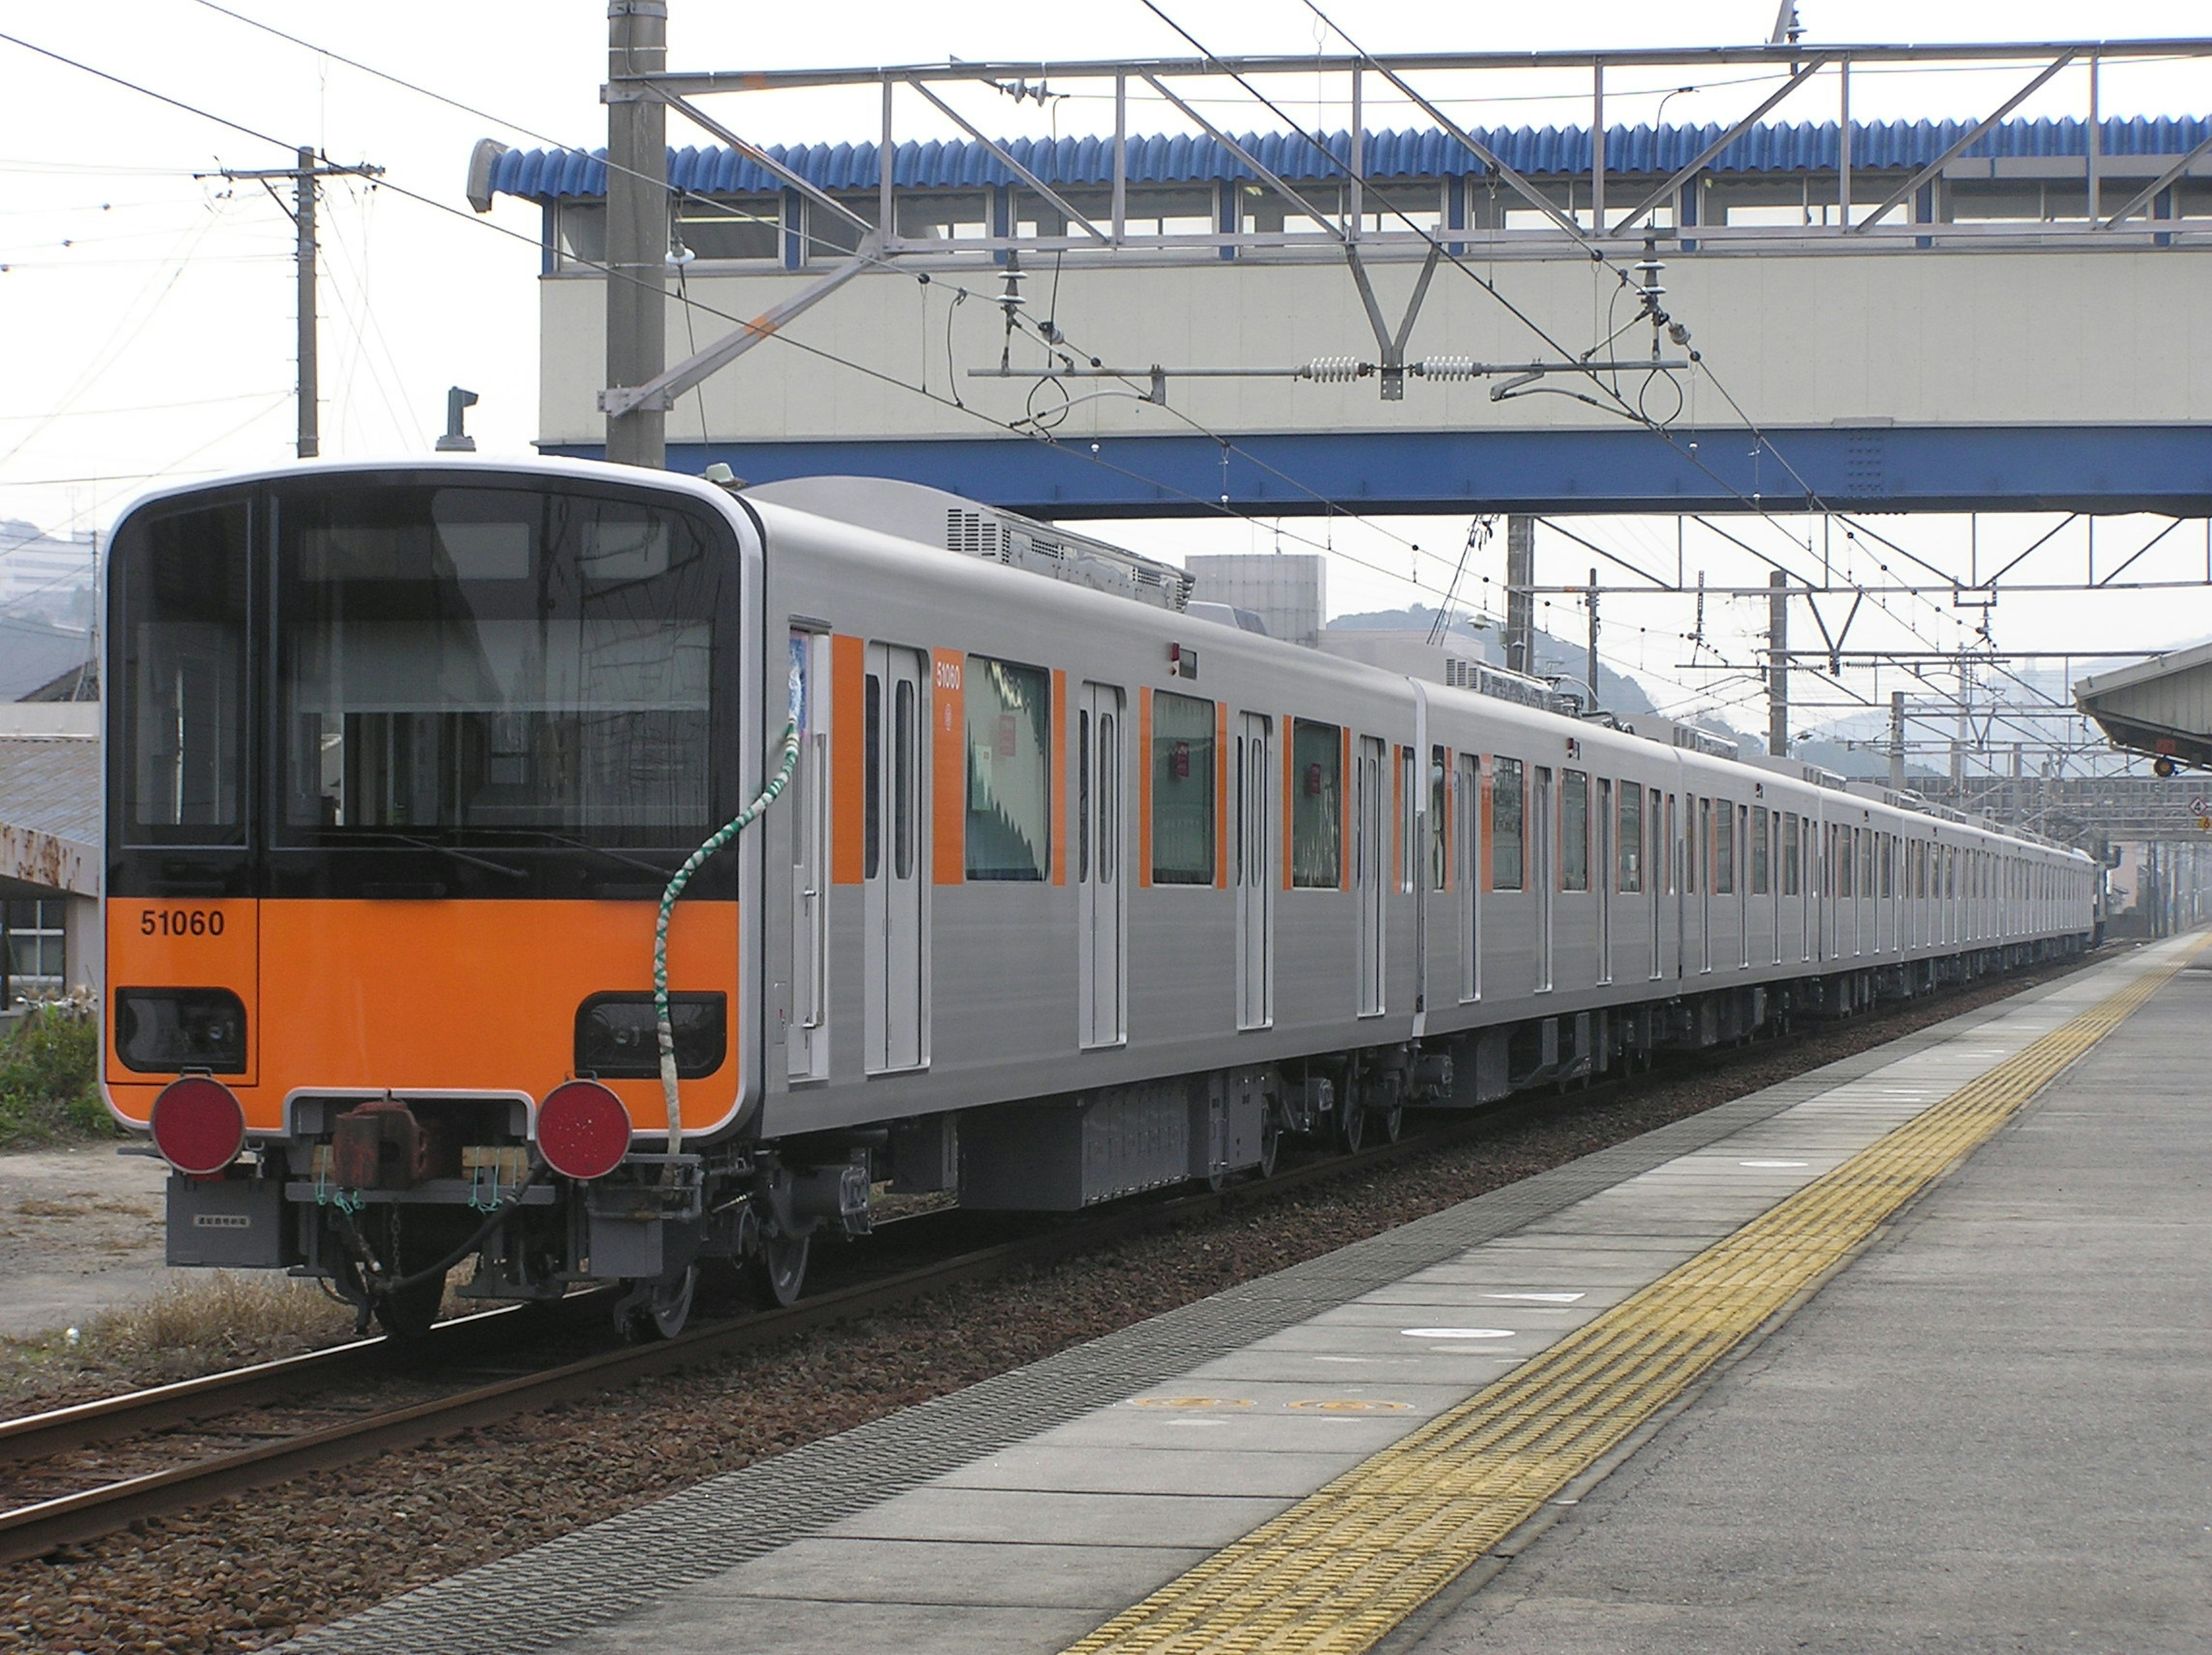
x=1663, y=215
x=634, y=79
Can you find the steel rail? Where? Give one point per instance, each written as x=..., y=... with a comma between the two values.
x=190, y=1401
x=35, y=1529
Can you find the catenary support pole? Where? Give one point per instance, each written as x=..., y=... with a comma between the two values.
x=1896, y=739
x=303, y=218
x=1520, y=596
x=1778, y=665
x=637, y=225
x=305, y=176
x=1592, y=670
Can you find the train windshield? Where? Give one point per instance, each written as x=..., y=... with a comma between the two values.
x=512, y=665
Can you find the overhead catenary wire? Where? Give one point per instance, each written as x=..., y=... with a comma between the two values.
x=1012, y=428
x=691, y=303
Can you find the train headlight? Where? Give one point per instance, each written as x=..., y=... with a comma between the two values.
x=583, y=1130
x=199, y=1126
x=161, y=1030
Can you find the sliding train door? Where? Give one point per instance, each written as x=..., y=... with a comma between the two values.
x=1253, y=869
x=894, y=864
x=1102, y=920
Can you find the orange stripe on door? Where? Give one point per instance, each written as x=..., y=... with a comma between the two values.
x=948, y=768
x=848, y=758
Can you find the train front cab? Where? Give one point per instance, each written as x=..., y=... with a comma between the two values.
x=398, y=766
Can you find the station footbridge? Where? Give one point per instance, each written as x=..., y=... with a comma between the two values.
x=1791, y=309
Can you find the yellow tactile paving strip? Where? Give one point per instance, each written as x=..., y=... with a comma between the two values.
x=1340, y=1570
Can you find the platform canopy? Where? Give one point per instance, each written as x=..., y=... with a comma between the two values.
x=2161, y=706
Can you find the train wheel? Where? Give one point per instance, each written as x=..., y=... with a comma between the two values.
x=1352, y=1128
x=1271, y=1144
x=1391, y=1123
x=659, y=1309
x=409, y=1314
x=780, y=1267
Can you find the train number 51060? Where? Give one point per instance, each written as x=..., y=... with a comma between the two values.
x=179, y=922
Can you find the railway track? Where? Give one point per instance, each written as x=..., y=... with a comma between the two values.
x=36, y=1528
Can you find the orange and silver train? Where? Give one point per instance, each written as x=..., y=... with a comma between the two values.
x=1075, y=891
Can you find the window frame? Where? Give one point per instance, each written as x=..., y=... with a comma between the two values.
x=1199, y=766
x=1508, y=781
x=981, y=677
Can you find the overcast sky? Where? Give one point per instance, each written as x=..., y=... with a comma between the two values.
x=148, y=312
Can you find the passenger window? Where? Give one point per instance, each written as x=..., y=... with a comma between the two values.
x=1440, y=864
x=1758, y=850
x=1790, y=855
x=1574, y=830
x=1508, y=809
x=1408, y=799
x=903, y=796
x=1009, y=719
x=1082, y=795
x=872, y=808
x=1316, y=806
x=1109, y=793
x=1183, y=789
x=1628, y=838
x=1723, y=848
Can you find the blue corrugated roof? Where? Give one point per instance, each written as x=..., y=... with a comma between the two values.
x=1780, y=147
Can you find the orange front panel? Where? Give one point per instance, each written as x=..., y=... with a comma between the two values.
x=463, y=996
x=848, y=758
x=1058, y=721
x=949, y=767
x=1221, y=796
x=161, y=942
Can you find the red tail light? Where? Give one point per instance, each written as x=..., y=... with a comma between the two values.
x=199, y=1125
x=583, y=1130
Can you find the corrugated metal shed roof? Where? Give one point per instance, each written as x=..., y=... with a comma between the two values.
x=1777, y=147
x=50, y=812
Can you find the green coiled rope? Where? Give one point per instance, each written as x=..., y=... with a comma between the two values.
x=743, y=819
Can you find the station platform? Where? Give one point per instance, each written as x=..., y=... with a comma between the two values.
x=1793, y=1373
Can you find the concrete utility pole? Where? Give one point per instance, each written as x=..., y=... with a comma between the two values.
x=1896, y=739
x=1778, y=665
x=303, y=217
x=638, y=226
x=1594, y=697
x=303, y=176
x=1520, y=596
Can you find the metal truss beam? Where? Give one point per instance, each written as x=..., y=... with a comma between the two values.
x=1683, y=175
x=1783, y=58
x=1959, y=146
